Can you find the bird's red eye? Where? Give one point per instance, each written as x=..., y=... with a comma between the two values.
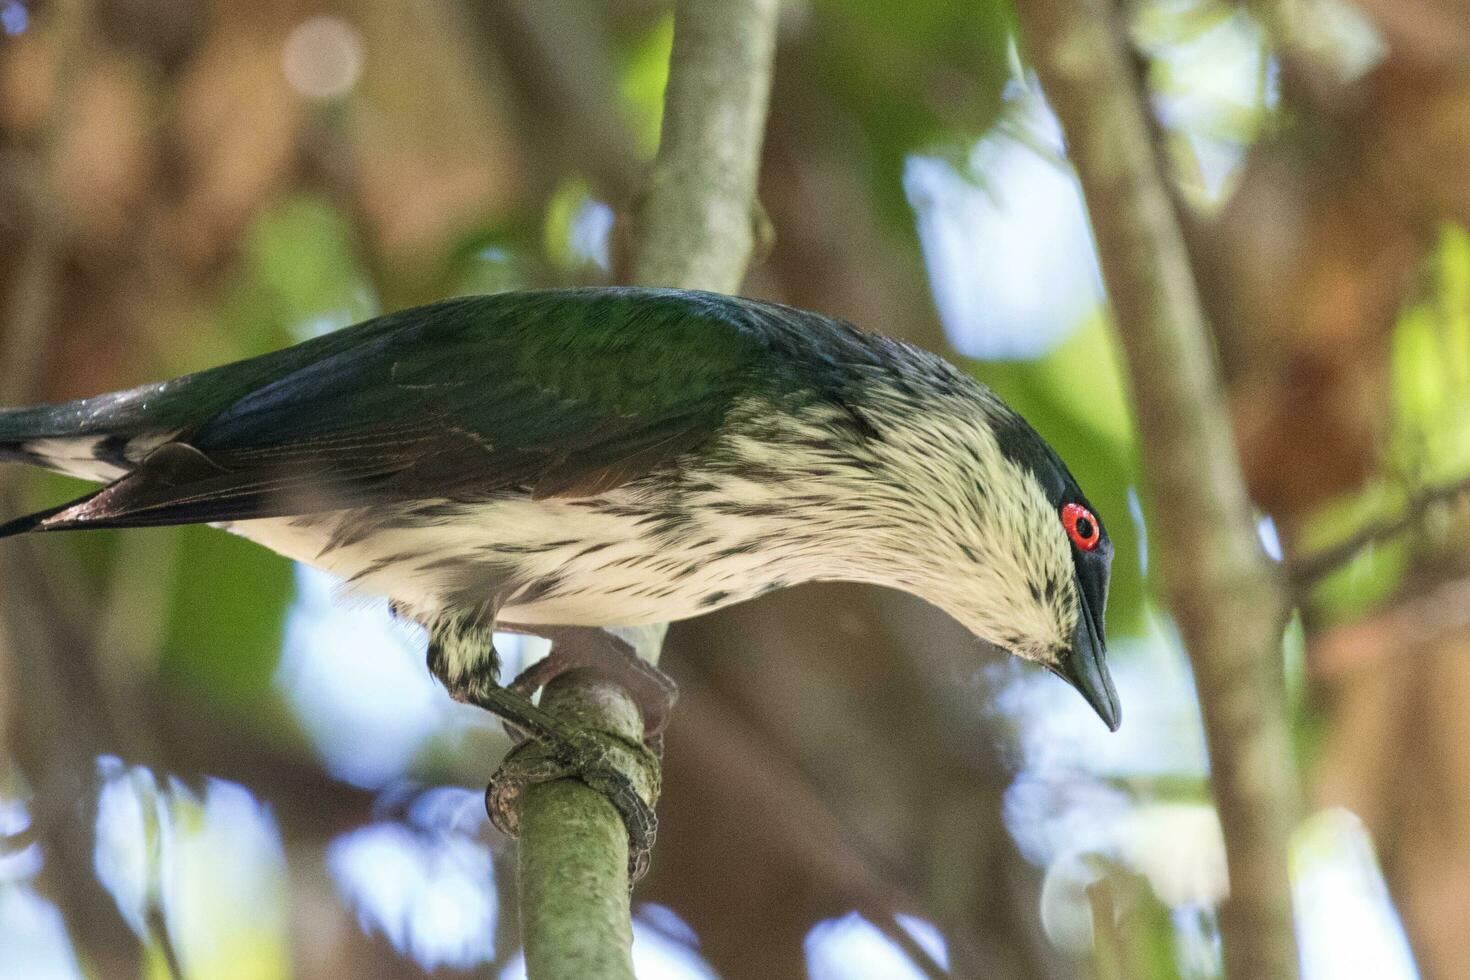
x=1081, y=526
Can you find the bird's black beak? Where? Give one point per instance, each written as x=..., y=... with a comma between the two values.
x=1086, y=668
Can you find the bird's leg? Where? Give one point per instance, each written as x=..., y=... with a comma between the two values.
x=608, y=654
x=463, y=659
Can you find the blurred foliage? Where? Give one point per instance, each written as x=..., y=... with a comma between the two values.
x=642, y=77
x=1430, y=439
x=224, y=639
x=914, y=77
x=299, y=275
x=301, y=268
x=1431, y=370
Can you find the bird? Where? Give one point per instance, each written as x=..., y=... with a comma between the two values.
x=603, y=456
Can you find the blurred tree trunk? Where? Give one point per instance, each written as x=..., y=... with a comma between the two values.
x=1227, y=598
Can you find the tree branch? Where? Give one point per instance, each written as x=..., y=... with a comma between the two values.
x=573, y=859
x=1227, y=597
x=695, y=232
x=1310, y=569
x=696, y=221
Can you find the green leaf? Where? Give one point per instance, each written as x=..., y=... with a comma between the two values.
x=1374, y=574
x=642, y=77
x=301, y=252
x=1084, y=374
x=225, y=626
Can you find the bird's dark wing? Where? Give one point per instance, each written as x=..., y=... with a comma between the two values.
x=556, y=393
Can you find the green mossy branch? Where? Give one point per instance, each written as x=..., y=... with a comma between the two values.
x=694, y=230
x=574, y=848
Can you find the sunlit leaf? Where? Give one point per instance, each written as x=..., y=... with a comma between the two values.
x=1371, y=576
x=642, y=77
x=1085, y=375
x=302, y=255
x=226, y=885
x=432, y=895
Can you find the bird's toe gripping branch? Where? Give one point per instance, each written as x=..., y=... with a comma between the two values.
x=601, y=760
x=617, y=764
x=573, y=648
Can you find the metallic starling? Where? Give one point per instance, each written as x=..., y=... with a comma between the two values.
x=603, y=457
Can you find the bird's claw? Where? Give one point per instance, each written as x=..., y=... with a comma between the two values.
x=580, y=647
x=585, y=756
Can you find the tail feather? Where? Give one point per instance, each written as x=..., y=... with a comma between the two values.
x=31, y=522
x=61, y=438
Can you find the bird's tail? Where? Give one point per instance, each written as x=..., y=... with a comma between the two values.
x=17, y=425
x=88, y=439
x=30, y=522
x=54, y=437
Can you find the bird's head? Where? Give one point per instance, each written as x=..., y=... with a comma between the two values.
x=1010, y=546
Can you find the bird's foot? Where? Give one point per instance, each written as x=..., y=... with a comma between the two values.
x=610, y=655
x=557, y=749
x=591, y=758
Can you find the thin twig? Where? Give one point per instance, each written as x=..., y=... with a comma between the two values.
x=1227, y=597
x=1307, y=571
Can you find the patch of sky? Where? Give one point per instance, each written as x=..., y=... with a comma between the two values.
x=665, y=920
x=427, y=885
x=1197, y=942
x=1135, y=512
x=14, y=18
x=1004, y=232
x=326, y=322
x=23, y=861
x=1083, y=802
x=1060, y=737
x=357, y=682
x=1270, y=538
x=355, y=678
x=1005, y=237
x=851, y=947
x=1346, y=923
x=33, y=940
x=578, y=228
x=126, y=856
x=1213, y=85
x=589, y=234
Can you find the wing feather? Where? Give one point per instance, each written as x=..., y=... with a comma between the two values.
x=555, y=394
